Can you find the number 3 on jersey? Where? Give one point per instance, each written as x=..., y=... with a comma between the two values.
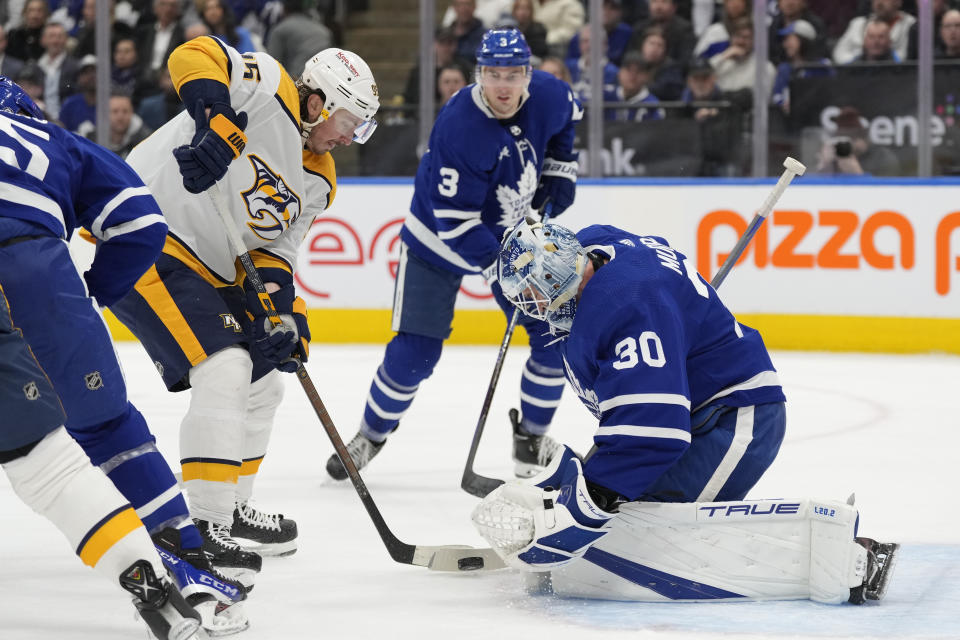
x=449, y=178
x=651, y=350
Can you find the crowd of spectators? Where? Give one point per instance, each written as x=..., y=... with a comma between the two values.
x=48, y=46
x=660, y=59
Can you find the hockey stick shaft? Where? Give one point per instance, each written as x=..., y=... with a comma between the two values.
x=461, y=558
x=472, y=482
x=791, y=168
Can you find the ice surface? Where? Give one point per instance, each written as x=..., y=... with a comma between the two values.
x=886, y=427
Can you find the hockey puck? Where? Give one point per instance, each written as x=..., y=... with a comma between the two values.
x=470, y=564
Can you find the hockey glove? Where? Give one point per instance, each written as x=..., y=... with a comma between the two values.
x=219, y=139
x=558, y=182
x=283, y=344
x=546, y=524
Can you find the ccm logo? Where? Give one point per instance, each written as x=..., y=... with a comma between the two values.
x=765, y=509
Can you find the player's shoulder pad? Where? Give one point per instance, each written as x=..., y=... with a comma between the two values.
x=324, y=168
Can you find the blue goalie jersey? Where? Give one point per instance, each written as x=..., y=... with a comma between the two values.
x=479, y=174
x=650, y=344
x=52, y=181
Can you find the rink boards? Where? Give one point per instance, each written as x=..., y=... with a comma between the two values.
x=859, y=265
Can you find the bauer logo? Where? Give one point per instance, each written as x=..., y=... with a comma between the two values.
x=271, y=203
x=739, y=510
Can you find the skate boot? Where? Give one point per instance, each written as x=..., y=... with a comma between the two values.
x=881, y=558
x=215, y=597
x=160, y=605
x=361, y=449
x=531, y=453
x=227, y=555
x=269, y=534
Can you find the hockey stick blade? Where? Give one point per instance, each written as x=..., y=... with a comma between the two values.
x=454, y=558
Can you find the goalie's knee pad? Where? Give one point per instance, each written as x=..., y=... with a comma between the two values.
x=749, y=550
x=57, y=481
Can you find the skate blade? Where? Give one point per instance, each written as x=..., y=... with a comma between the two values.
x=886, y=554
x=278, y=550
x=219, y=619
x=187, y=630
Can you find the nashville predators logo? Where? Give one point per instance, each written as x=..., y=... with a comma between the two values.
x=229, y=322
x=273, y=206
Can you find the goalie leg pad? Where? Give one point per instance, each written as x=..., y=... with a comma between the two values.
x=756, y=550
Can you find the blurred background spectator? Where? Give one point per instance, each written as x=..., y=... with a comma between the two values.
x=533, y=31
x=736, y=65
x=949, y=36
x=78, y=113
x=579, y=68
x=59, y=68
x=717, y=36
x=30, y=80
x=877, y=45
x=563, y=19
x=157, y=38
x=451, y=79
x=789, y=12
x=297, y=37
x=467, y=28
x=556, y=67
x=219, y=18
x=675, y=30
x=667, y=82
x=85, y=30
x=9, y=65
x=719, y=126
x=126, y=127
x=618, y=33
x=445, y=54
x=157, y=109
x=850, y=152
x=489, y=12
x=633, y=79
x=851, y=44
x=801, y=60
x=126, y=75
x=23, y=42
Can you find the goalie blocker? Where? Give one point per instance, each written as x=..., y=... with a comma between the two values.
x=698, y=551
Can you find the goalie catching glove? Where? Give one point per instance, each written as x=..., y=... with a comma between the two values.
x=558, y=182
x=219, y=139
x=544, y=522
x=280, y=344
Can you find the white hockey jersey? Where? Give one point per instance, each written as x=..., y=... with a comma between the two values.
x=274, y=189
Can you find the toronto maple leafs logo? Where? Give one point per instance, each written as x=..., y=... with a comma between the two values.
x=515, y=203
x=588, y=396
x=271, y=203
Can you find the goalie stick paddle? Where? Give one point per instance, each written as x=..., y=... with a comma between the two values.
x=472, y=482
x=478, y=485
x=436, y=558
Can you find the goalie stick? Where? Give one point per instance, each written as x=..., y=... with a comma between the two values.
x=436, y=558
x=472, y=482
x=478, y=485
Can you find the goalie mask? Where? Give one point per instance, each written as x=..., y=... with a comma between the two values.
x=540, y=267
x=350, y=96
x=15, y=100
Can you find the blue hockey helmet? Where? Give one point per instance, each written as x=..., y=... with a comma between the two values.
x=540, y=267
x=503, y=48
x=14, y=99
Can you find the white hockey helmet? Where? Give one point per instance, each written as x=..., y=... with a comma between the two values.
x=540, y=268
x=346, y=83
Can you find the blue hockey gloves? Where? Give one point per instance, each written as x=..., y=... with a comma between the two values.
x=218, y=141
x=546, y=524
x=558, y=182
x=283, y=344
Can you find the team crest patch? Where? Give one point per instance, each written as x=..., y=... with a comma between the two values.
x=272, y=205
x=93, y=380
x=229, y=322
x=31, y=391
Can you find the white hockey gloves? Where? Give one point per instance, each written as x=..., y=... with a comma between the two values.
x=544, y=522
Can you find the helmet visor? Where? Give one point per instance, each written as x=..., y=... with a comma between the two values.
x=347, y=124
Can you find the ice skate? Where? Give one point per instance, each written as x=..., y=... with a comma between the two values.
x=881, y=558
x=226, y=554
x=161, y=606
x=531, y=453
x=215, y=597
x=268, y=534
x=361, y=449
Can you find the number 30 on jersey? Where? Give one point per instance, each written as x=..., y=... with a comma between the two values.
x=650, y=347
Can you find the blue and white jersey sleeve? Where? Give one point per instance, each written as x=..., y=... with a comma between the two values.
x=459, y=184
x=114, y=205
x=560, y=145
x=642, y=397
